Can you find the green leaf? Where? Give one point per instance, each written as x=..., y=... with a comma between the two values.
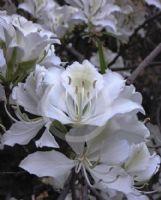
x=22, y=70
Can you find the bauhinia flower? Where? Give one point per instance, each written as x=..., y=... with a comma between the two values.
x=98, y=13
x=113, y=163
x=50, y=15
x=140, y=164
x=28, y=96
x=81, y=95
x=18, y=53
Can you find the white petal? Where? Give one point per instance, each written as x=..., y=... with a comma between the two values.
x=47, y=140
x=138, y=159
x=136, y=196
x=24, y=99
x=128, y=127
x=22, y=132
x=111, y=178
x=114, y=151
x=56, y=94
x=119, y=106
x=51, y=163
x=130, y=93
x=51, y=107
x=153, y=167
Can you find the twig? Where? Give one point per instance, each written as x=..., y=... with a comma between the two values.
x=116, y=69
x=12, y=173
x=144, y=64
x=66, y=187
x=75, y=53
x=126, y=46
x=84, y=189
x=73, y=188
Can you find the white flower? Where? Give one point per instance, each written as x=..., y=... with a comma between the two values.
x=140, y=164
x=36, y=7
x=58, y=166
x=18, y=36
x=80, y=95
x=113, y=163
x=130, y=16
x=50, y=15
x=28, y=95
x=99, y=13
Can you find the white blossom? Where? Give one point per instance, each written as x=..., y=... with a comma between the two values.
x=98, y=13
x=85, y=96
x=50, y=15
x=17, y=38
x=103, y=158
x=28, y=95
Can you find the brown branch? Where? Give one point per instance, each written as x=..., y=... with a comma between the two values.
x=146, y=62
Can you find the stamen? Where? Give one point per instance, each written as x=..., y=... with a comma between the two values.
x=86, y=177
x=8, y=113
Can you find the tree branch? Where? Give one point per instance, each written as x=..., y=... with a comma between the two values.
x=144, y=64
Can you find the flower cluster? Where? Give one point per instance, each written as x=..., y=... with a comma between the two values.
x=106, y=140
x=58, y=105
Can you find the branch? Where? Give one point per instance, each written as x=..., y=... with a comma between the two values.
x=146, y=62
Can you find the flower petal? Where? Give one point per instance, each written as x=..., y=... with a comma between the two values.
x=47, y=140
x=111, y=178
x=51, y=163
x=22, y=132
